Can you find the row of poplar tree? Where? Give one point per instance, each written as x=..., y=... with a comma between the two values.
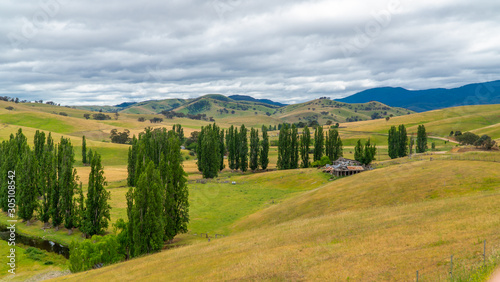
x=157, y=200
x=398, y=144
x=213, y=143
x=46, y=184
x=291, y=144
x=157, y=203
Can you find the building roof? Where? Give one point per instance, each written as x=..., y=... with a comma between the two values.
x=355, y=168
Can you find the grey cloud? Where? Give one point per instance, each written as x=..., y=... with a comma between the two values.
x=109, y=52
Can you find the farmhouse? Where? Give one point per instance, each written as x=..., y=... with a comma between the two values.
x=344, y=167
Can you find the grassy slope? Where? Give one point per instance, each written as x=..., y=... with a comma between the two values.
x=27, y=267
x=358, y=228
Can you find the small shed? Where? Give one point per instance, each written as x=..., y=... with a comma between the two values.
x=344, y=167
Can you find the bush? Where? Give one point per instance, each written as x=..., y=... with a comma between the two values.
x=10, y=108
x=322, y=162
x=468, y=138
x=141, y=119
x=101, y=116
x=34, y=253
x=98, y=250
x=63, y=114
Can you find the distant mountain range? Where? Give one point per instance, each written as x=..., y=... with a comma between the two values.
x=251, y=99
x=247, y=109
x=431, y=99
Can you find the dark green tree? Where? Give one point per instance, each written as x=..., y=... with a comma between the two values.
x=402, y=141
x=284, y=145
x=366, y=154
x=264, y=151
x=84, y=150
x=333, y=145
x=209, y=158
x=369, y=153
x=174, y=179
x=243, y=149
x=294, y=147
x=254, y=149
x=393, y=142
x=305, y=140
x=421, y=139
x=358, y=152
x=56, y=214
x=96, y=205
x=27, y=193
x=319, y=141
x=132, y=162
x=147, y=212
x=48, y=179
x=231, y=149
x=67, y=181
x=237, y=148
x=222, y=147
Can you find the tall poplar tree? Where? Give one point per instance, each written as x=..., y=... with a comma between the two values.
x=358, y=152
x=147, y=222
x=333, y=145
x=421, y=139
x=84, y=150
x=67, y=181
x=236, y=144
x=96, y=205
x=222, y=147
x=209, y=158
x=284, y=147
x=27, y=193
x=264, y=151
x=319, y=141
x=393, y=143
x=132, y=162
x=254, y=149
x=243, y=149
x=294, y=147
x=231, y=150
x=48, y=179
x=305, y=140
x=176, y=194
x=55, y=193
x=402, y=141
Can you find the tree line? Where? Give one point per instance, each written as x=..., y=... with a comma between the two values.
x=294, y=148
x=213, y=143
x=47, y=185
x=399, y=145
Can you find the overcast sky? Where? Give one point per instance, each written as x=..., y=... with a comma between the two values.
x=108, y=52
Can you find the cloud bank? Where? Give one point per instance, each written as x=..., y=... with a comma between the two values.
x=108, y=52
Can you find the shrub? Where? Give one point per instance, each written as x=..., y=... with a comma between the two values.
x=34, y=253
x=103, y=250
x=10, y=108
x=63, y=114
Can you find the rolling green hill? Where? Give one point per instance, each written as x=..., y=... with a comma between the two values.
x=256, y=113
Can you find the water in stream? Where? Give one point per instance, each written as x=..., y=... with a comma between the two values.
x=42, y=244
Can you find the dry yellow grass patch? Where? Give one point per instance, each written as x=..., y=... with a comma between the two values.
x=112, y=173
